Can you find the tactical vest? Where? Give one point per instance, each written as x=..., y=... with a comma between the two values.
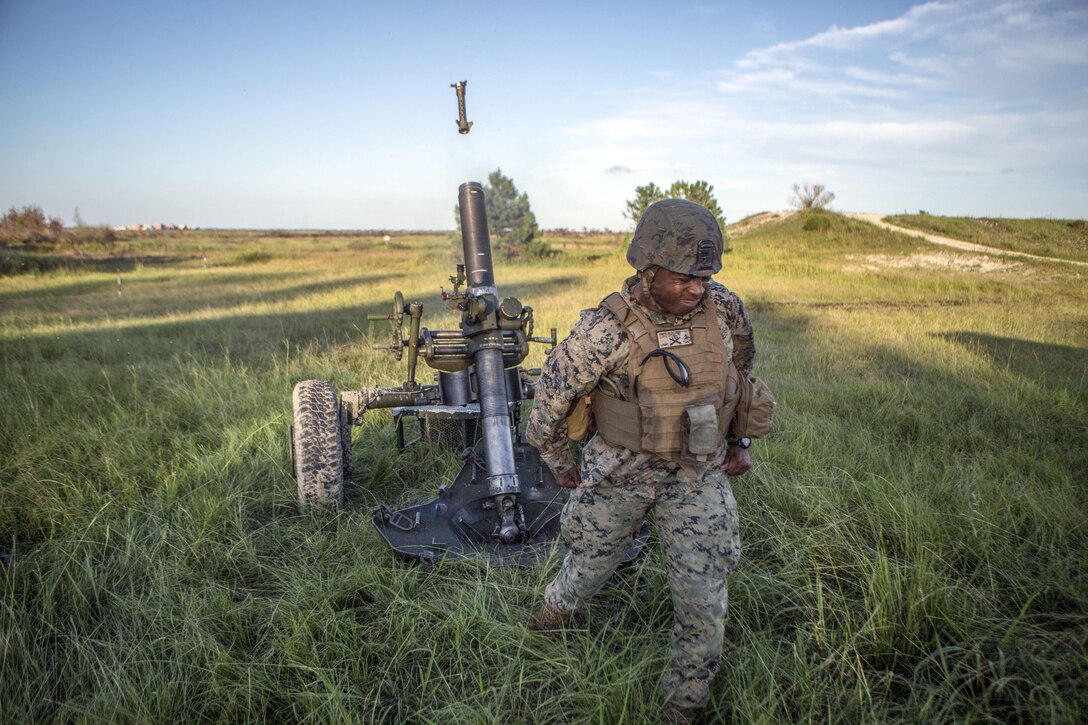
x=661, y=415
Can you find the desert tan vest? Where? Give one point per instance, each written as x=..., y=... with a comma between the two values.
x=655, y=417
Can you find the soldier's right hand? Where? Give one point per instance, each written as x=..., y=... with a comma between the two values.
x=569, y=478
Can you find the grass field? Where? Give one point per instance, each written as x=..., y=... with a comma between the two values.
x=1060, y=238
x=914, y=539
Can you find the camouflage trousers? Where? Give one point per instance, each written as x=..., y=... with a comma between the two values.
x=700, y=535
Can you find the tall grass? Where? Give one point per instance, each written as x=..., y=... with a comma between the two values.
x=913, y=538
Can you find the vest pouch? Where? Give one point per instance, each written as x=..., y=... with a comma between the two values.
x=619, y=422
x=579, y=418
x=683, y=418
x=700, y=424
x=755, y=409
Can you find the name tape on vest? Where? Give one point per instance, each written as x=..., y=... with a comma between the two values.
x=674, y=338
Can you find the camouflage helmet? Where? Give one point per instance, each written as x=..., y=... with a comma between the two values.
x=678, y=235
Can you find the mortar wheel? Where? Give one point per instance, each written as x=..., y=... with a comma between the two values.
x=320, y=446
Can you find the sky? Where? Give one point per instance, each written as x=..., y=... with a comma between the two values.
x=340, y=115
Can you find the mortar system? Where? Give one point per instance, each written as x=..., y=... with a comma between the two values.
x=503, y=504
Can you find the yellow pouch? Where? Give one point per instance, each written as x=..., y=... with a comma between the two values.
x=579, y=418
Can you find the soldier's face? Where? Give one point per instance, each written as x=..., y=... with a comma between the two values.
x=676, y=293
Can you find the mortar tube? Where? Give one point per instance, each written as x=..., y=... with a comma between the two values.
x=502, y=477
x=479, y=269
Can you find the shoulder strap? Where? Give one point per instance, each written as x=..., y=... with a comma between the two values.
x=637, y=331
x=615, y=304
x=711, y=311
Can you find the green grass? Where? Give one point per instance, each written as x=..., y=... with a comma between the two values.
x=1059, y=238
x=913, y=531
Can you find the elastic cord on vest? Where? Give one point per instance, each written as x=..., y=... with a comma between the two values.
x=681, y=375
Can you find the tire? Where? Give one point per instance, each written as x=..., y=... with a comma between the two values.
x=318, y=445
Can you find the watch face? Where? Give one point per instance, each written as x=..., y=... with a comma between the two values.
x=744, y=442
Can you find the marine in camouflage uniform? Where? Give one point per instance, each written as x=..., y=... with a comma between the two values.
x=616, y=487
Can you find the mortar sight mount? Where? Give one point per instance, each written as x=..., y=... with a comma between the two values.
x=504, y=503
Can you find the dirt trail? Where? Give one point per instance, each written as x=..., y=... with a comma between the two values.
x=878, y=220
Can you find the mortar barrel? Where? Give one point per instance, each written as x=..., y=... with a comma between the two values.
x=502, y=477
x=479, y=268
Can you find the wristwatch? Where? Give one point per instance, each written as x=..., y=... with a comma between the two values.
x=742, y=442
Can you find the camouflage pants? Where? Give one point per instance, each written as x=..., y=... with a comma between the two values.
x=698, y=527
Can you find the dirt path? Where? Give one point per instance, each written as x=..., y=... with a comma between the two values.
x=878, y=220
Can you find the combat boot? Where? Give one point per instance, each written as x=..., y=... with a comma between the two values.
x=676, y=715
x=548, y=619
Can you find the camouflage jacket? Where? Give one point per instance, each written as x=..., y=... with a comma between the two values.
x=596, y=348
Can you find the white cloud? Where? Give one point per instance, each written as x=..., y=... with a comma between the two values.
x=846, y=38
x=869, y=75
x=970, y=49
x=951, y=102
x=914, y=133
x=780, y=82
x=745, y=82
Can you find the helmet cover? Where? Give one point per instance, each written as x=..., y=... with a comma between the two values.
x=679, y=235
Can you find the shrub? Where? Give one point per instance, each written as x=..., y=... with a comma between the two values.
x=29, y=225
x=816, y=223
x=86, y=235
x=540, y=248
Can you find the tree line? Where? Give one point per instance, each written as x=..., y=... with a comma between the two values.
x=514, y=230
x=510, y=216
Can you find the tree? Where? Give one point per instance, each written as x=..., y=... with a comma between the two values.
x=644, y=196
x=698, y=191
x=510, y=219
x=809, y=196
x=701, y=193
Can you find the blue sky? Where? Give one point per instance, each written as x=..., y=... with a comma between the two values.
x=341, y=115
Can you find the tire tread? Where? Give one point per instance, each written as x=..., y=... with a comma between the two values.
x=319, y=446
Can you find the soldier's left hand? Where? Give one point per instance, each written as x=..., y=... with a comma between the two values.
x=569, y=478
x=737, y=461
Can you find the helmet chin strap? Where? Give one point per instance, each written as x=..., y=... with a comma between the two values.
x=646, y=277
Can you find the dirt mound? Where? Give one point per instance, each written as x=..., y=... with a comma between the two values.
x=755, y=221
x=940, y=260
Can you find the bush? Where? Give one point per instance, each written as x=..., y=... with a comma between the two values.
x=87, y=235
x=29, y=226
x=540, y=248
x=816, y=223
